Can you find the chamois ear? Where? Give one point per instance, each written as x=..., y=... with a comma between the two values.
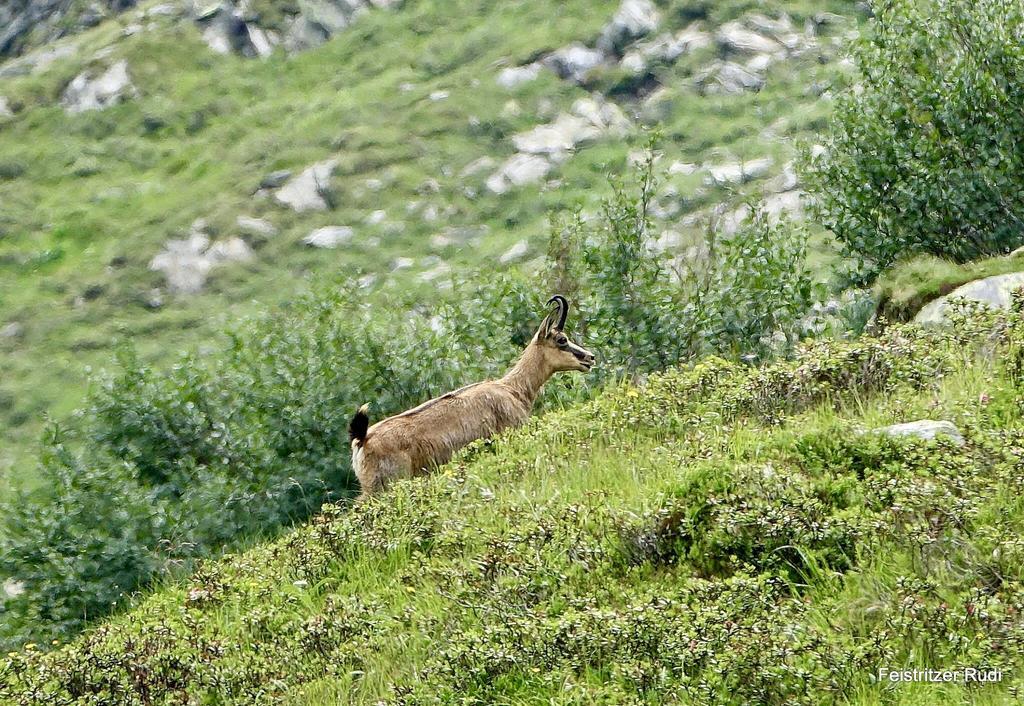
x=545, y=326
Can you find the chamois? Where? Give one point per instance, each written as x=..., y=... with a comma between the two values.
x=418, y=440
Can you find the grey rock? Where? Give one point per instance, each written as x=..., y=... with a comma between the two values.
x=588, y=120
x=305, y=191
x=739, y=172
x=13, y=330
x=682, y=168
x=514, y=76
x=440, y=241
x=305, y=34
x=431, y=213
x=275, y=179
x=786, y=181
x=24, y=23
x=163, y=10
x=186, y=263
x=927, y=429
x=319, y=20
x=781, y=30
x=256, y=226
x=573, y=62
x=329, y=237
x=36, y=61
x=767, y=25
x=519, y=170
x=788, y=203
x=994, y=292
x=465, y=234
x=515, y=253
x=232, y=26
x=331, y=16
x=230, y=250
x=13, y=588
x=729, y=78
x=154, y=299
x=602, y=114
x=481, y=164
x=86, y=92
x=775, y=206
x=826, y=19
x=438, y=271
x=668, y=240
x=633, y=19
x=562, y=135
x=5, y=109
x=760, y=63
x=225, y=30
x=375, y=218
x=666, y=48
x=659, y=106
x=733, y=36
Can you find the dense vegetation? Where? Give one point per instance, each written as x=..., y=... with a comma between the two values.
x=207, y=454
x=926, y=155
x=718, y=535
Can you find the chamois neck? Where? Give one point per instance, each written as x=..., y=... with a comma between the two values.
x=528, y=375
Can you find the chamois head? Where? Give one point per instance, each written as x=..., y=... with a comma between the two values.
x=559, y=352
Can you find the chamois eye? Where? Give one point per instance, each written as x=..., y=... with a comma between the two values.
x=562, y=340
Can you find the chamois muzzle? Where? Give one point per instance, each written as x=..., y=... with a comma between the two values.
x=586, y=358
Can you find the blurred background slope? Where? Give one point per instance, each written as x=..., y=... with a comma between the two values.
x=167, y=167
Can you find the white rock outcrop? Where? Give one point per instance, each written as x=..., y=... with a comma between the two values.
x=728, y=77
x=89, y=92
x=927, y=429
x=514, y=76
x=186, y=263
x=633, y=19
x=733, y=36
x=588, y=120
x=665, y=48
x=573, y=62
x=256, y=226
x=515, y=253
x=739, y=172
x=329, y=237
x=519, y=170
x=305, y=192
x=995, y=292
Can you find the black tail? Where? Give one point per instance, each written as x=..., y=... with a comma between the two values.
x=359, y=424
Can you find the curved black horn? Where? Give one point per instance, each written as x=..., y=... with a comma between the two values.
x=563, y=309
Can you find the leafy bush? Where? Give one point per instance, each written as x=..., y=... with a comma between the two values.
x=213, y=451
x=743, y=295
x=924, y=153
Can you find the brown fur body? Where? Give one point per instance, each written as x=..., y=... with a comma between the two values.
x=419, y=440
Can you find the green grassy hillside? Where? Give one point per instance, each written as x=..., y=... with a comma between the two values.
x=718, y=535
x=407, y=103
